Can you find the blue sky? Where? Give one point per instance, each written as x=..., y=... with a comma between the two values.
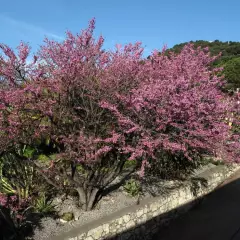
x=153, y=22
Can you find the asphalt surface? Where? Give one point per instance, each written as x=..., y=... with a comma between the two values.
x=216, y=218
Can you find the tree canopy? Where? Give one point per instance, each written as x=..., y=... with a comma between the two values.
x=229, y=59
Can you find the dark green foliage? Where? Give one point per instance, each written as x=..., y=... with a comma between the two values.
x=130, y=164
x=173, y=166
x=232, y=73
x=16, y=177
x=20, y=180
x=227, y=49
x=19, y=176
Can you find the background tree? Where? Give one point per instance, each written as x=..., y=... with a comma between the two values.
x=179, y=109
x=232, y=73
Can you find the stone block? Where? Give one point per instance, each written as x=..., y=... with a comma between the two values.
x=126, y=218
x=96, y=233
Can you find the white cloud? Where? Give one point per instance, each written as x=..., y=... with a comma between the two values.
x=30, y=27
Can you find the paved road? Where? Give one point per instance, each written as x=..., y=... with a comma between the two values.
x=217, y=218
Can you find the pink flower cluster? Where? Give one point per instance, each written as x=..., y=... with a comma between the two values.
x=15, y=205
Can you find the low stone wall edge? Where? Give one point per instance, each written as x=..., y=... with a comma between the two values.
x=154, y=212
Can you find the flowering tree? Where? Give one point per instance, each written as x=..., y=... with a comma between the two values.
x=96, y=109
x=179, y=108
x=57, y=98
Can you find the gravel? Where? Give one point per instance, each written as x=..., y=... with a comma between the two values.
x=49, y=227
x=111, y=203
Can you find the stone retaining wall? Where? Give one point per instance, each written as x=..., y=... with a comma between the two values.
x=142, y=221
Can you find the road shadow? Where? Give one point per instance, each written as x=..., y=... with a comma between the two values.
x=12, y=230
x=216, y=216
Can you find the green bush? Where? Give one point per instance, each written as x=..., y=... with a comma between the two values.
x=16, y=176
x=132, y=187
x=68, y=216
x=43, y=205
x=232, y=74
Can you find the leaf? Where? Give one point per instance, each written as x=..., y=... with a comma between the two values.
x=43, y=158
x=29, y=152
x=47, y=141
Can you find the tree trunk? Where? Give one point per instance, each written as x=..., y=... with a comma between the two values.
x=87, y=198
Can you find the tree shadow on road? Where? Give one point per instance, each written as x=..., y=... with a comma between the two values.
x=215, y=218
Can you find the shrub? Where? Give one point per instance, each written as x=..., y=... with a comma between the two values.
x=132, y=187
x=16, y=177
x=68, y=216
x=43, y=205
